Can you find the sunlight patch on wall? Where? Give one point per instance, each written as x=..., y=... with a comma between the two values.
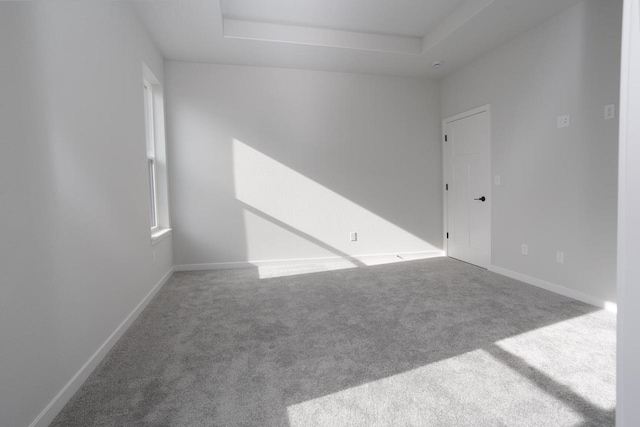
x=285, y=210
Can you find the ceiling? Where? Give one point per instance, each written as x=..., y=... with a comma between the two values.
x=392, y=17
x=392, y=37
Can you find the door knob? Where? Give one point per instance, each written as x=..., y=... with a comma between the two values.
x=482, y=199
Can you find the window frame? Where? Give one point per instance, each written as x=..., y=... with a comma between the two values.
x=149, y=112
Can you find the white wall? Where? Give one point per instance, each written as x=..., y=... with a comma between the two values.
x=628, y=381
x=558, y=187
x=75, y=252
x=275, y=164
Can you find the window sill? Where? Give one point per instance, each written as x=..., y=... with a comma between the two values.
x=160, y=235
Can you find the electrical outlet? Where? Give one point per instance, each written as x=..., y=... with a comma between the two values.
x=564, y=121
x=497, y=180
x=609, y=111
x=560, y=257
x=525, y=249
x=353, y=236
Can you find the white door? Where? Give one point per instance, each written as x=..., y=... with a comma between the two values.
x=468, y=179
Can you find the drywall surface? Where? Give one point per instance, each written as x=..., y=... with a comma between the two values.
x=558, y=187
x=628, y=380
x=275, y=164
x=75, y=252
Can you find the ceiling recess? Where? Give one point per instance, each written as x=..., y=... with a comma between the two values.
x=399, y=37
x=268, y=32
x=282, y=22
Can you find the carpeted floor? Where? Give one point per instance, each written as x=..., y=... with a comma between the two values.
x=424, y=343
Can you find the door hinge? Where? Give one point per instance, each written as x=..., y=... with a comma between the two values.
x=447, y=235
x=446, y=138
x=447, y=187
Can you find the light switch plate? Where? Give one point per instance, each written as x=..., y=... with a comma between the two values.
x=564, y=121
x=609, y=111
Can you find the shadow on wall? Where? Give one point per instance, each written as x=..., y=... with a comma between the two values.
x=351, y=261
x=338, y=134
x=304, y=153
x=314, y=219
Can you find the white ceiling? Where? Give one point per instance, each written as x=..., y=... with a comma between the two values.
x=394, y=37
x=393, y=17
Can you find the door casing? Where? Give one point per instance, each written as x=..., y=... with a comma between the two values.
x=446, y=174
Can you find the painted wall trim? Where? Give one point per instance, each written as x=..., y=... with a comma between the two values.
x=365, y=259
x=60, y=400
x=558, y=289
x=628, y=350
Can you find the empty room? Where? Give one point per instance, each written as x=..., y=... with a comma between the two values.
x=319, y=213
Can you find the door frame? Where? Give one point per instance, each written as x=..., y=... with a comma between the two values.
x=628, y=298
x=446, y=173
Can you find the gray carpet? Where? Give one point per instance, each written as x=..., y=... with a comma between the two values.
x=423, y=343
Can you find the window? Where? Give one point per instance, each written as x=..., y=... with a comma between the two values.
x=156, y=156
x=151, y=154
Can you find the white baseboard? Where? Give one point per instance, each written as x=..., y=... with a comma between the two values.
x=367, y=260
x=567, y=292
x=55, y=406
